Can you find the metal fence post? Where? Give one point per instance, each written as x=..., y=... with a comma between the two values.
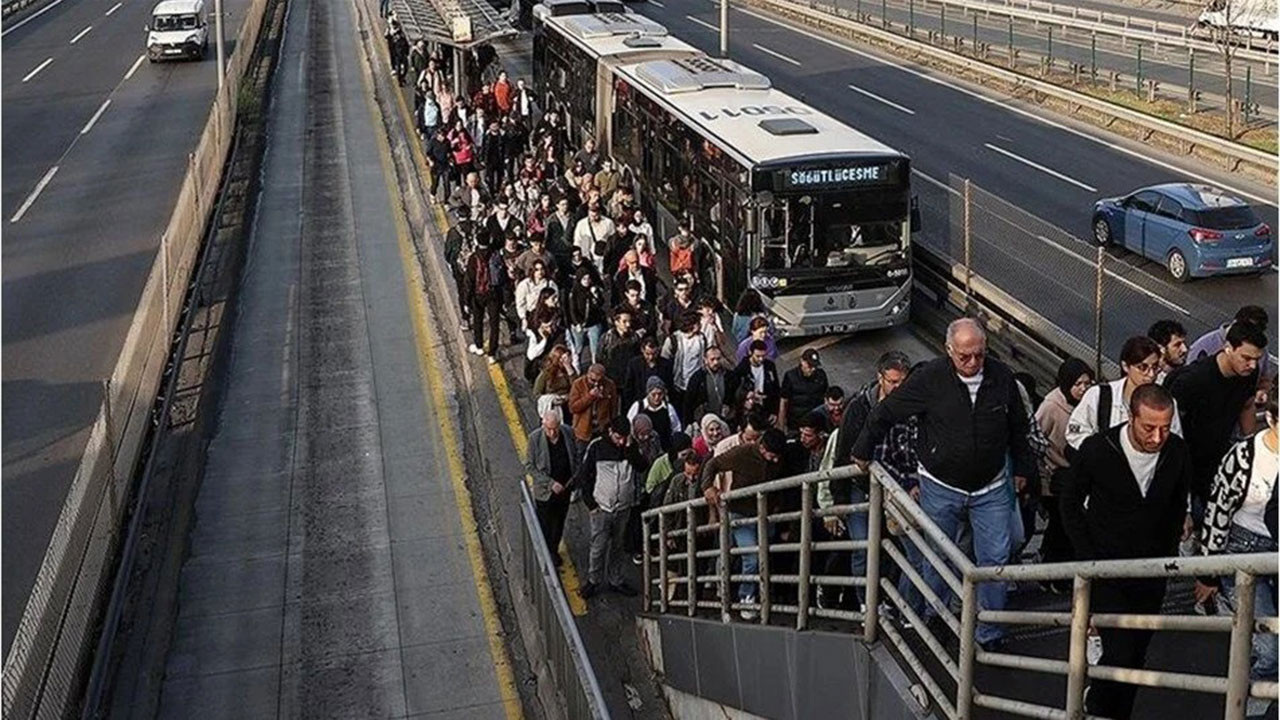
x=1012, y=58
x=1097, y=314
x=968, y=241
x=1093, y=58
x=725, y=563
x=884, y=13
x=662, y=562
x=875, y=529
x=1138, y=77
x=1248, y=91
x=968, y=649
x=1241, y=647
x=1077, y=654
x=942, y=17
x=911, y=17
x=1191, y=80
x=762, y=555
x=975, y=34
x=648, y=581
x=1049, y=69
x=806, y=528
x=691, y=549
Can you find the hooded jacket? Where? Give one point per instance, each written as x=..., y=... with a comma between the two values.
x=607, y=475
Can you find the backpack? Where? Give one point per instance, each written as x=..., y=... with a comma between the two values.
x=482, y=284
x=1102, y=420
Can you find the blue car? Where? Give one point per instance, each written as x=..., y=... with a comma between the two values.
x=1193, y=230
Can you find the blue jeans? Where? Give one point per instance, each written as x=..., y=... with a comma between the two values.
x=857, y=524
x=989, y=517
x=1264, y=666
x=745, y=536
x=580, y=340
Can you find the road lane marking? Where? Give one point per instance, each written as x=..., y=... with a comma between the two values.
x=427, y=342
x=39, y=67
x=81, y=34
x=26, y=204
x=1123, y=280
x=134, y=69
x=114, y=8
x=776, y=54
x=658, y=4
x=1270, y=201
x=29, y=18
x=89, y=125
x=703, y=23
x=1041, y=168
x=890, y=103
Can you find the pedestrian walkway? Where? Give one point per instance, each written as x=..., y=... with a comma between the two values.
x=333, y=570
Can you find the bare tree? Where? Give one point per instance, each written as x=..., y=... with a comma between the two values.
x=1220, y=19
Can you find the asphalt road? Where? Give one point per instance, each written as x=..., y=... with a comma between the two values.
x=79, y=240
x=1049, y=169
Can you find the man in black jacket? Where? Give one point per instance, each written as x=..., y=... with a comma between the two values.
x=1126, y=497
x=755, y=383
x=972, y=421
x=649, y=363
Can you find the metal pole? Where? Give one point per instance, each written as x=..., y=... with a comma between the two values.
x=911, y=17
x=662, y=562
x=858, y=11
x=724, y=28
x=1191, y=80
x=875, y=523
x=1097, y=315
x=884, y=13
x=1138, y=88
x=1093, y=58
x=942, y=17
x=691, y=552
x=1012, y=59
x=1077, y=655
x=762, y=555
x=975, y=34
x=1050, y=53
x=648, y=581
x=968, y=648
x=221, y=51
x=1241, y=647
x=725, y=562
x=806, y=548
x=968, y=241
x=1248, y=91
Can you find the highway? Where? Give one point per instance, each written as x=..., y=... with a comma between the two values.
x=95, y=144
x=1049, y=167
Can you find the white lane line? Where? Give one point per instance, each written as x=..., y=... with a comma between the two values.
x=28, y=19
x=81, y=34
x=703, y=23
x=1041, y=168
x=26, y=204
x=659, y=4
x=890, y=103
x=39, y=67
x=776, y=54
x=114, y=8
x=89, y=125
x=1271, y=201
x=1123, y=280
x=134, y=69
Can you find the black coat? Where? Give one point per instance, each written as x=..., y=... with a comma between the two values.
x=637, y=377
x=962, y=443
x=1119, y=522
x=740, y=383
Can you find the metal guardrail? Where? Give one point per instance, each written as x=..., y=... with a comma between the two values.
x=668, y=569
x=12, y=6
x=44, y=670
x=563, y=650
x=1234, y=156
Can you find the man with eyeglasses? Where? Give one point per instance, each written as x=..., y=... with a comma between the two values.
x=972, y=422
x=1106, y=405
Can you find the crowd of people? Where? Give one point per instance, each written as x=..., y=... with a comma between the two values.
x=645, y=397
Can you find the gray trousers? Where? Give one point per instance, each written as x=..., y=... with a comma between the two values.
x=608, y=533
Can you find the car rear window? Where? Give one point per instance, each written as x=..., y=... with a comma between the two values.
x=1237, y=217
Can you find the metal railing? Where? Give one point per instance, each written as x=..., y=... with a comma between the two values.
x=563, y=650
x=667, y=572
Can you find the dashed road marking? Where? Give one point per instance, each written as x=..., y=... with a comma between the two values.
x=37, y=69
x=703, y=23
x=26, y=204
x=886, y=101
x=114, y=8
x=80, y=34
x=1041, y=168
x=776, y=54
x=93, y=120
x=656, y=3
x=134, y=69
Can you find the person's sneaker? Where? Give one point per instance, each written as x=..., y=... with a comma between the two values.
x=1093, y=649
x=637, y=558
x=493, y=360
x=1257, y=708
x=748, y=614
x=623, y=589
x=475, y=349
x=588, y=590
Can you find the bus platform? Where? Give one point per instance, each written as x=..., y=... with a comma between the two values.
x=334, y=569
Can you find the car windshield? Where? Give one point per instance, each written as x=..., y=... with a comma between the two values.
x=1235, y=217
x=166, y=23
x=825, y=231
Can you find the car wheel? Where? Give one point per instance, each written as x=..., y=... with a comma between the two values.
x=1177, y=265
x=1101, y=231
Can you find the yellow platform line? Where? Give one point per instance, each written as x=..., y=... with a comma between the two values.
x=569, y=578
x=425, y=339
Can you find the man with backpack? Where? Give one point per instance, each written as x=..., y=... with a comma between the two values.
x=486, y=276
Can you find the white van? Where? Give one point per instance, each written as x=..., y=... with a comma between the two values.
x=178, y=29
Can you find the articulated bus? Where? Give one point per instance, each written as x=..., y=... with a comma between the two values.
x=787, y=200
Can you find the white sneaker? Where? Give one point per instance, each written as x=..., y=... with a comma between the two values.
x=749, y=613
x=1257, y=707
x=1093, y=650
x=493, y=360
x=475, y=350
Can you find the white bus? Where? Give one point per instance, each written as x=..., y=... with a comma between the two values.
x=785, y=199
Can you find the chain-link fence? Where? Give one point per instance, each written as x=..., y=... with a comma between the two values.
x=1087, y=293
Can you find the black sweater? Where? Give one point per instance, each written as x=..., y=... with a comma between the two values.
x=1119, y=521
x=964, y=444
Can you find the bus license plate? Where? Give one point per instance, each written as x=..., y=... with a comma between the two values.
x=836, y=329
x=1240, y=262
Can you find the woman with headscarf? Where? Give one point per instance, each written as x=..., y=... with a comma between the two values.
x=711, y=430
x=1074, y=378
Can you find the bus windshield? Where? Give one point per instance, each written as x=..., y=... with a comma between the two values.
x=831, y=230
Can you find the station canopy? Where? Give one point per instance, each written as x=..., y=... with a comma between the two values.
x=457, y=23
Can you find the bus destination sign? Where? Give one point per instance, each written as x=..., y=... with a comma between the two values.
x=836, y=177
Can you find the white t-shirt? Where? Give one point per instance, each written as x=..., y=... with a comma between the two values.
x=973, y=383
x=1143, y=464
x=1083, y=421
x=1262, y=479
x=757, y=377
